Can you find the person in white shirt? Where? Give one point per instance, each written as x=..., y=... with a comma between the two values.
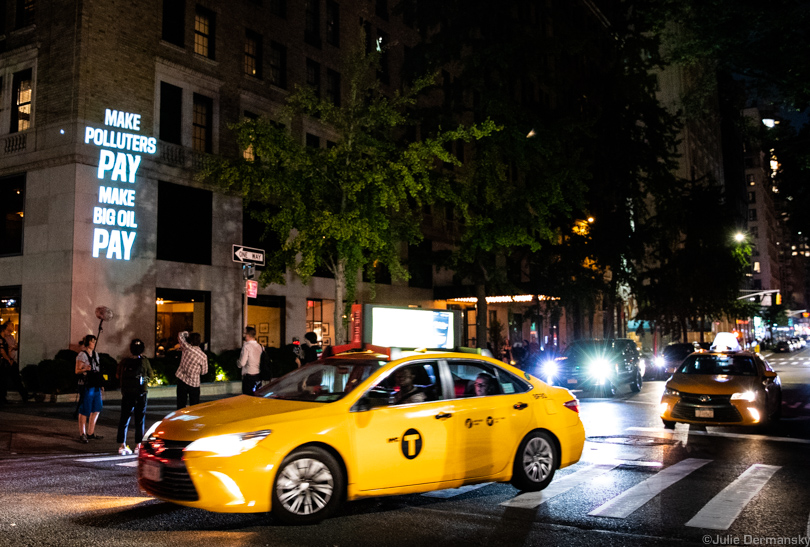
x=249, y=361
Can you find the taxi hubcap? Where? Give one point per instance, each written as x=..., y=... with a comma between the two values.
x=538, y=459
x=304, y=486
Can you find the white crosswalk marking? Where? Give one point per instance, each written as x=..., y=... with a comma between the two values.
x=452, y=492
x=107, y=458
x=629, y=501
x=725, y=507
x=530, y=500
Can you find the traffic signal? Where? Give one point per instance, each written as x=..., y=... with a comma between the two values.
x=778, y=299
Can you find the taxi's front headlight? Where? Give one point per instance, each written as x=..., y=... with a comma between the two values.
x=673, y=392
x=749, y=396
x=151, y=430
x=228, y=445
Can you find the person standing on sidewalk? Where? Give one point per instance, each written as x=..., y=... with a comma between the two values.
x=193, y=364
x=9, y=367
x=249, y=361
x=92, y=382
x=134, y=373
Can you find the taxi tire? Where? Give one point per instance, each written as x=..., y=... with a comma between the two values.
x=537, y=443
x=668, y=424
x=316, y=454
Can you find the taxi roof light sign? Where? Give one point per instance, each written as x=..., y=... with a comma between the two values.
x=399, y=327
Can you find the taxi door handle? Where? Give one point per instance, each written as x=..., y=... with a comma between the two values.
x=520, y=406
x=443, y=415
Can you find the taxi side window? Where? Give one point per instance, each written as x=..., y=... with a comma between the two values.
x=408, y=384
x=478, y=379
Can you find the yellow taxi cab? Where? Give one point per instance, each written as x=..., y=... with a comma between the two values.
x=359, y=424
x=722, y=388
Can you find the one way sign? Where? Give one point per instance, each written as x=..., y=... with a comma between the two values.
x=248, y=254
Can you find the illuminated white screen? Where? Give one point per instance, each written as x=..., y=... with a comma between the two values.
x=412, y=328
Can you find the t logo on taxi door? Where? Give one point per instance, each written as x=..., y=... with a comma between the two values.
x=411, y=444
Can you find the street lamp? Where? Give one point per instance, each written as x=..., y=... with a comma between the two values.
x=739, y=237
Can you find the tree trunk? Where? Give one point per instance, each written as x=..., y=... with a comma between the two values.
x=339, y=334
x=481, y=334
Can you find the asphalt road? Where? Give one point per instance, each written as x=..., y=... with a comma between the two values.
x=637, y=484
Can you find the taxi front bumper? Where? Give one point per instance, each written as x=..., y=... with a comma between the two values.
x=716, y=410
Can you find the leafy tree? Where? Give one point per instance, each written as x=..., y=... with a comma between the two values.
x=347, y=205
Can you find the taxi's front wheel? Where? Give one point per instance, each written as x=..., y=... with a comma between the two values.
x=308, y=488
x=535, y=462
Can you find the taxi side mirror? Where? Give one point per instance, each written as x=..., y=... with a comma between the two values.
x=770, y=374
x=363, y=404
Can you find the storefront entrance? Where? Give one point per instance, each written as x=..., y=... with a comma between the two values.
x=10, y=313
x=266, y=315
x=180, y=310
x=320, y=316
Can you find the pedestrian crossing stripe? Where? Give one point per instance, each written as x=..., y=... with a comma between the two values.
x=725, y=507
x=630, y=500
x=531, y=500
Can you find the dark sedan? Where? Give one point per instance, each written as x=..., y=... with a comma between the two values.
x=600, y=365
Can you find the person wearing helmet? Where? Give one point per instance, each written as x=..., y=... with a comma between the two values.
x=134, y=373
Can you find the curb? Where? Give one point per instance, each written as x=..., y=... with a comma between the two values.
x=159, y=392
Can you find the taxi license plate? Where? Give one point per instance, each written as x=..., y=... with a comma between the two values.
x=152, y=471
x=572, y=380
x=704, y=413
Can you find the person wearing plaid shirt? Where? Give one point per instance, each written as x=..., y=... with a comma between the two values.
x=193, y=364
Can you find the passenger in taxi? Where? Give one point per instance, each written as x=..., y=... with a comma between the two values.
x=485, y=385
x=408, y=392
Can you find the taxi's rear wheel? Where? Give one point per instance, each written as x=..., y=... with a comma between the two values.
x=535, y=462
x=308, y=488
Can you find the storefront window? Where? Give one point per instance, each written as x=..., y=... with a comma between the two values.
x=266, y=315
x=10, y=313
x=177, y=311
x=320, y=315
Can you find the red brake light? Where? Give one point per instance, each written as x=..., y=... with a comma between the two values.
x=573, y=404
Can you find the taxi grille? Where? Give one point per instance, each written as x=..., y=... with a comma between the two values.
x=724, y=411
x=175, y=483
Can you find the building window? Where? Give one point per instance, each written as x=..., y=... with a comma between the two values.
x=381, y=9
x=332, y=23
x=750, y=179
x=752, y=214
x=26, y=10
x=314, y=76
x=248, y=153
x=184, y=224
x=754, y=231
x=313, y=141
x=382, y=47
x=174, y=22
x=312, y=22
x=757, y=268
x=333, y=86
x=202, y=136
x=21, y=93
x=181, y=310
x=253, y=54
x=171, y=107
x=420, y=265
x=12, y=202
x=278, y=65
x=752, y=197
x=278, y=8
x=204, y=28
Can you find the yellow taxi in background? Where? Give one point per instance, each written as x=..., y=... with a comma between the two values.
x=722, y=388
x=361, y=424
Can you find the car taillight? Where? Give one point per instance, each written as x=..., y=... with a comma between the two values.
x=573, y=404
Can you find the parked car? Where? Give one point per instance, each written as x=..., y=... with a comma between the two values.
x=599, y=365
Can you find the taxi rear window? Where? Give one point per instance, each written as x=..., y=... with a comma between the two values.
x=322, y=381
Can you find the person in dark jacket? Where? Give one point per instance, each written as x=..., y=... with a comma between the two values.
x=134, y=373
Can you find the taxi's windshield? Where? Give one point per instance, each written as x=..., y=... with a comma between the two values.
x=734, y=365
x=322, y=381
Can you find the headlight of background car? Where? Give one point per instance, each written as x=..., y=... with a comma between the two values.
x=749, y=396
x=673, y=392
x=228, y=445
x=599, y=369
x=550, y=369
x=659, y=362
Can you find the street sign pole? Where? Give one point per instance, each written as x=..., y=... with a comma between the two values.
x=249, y=258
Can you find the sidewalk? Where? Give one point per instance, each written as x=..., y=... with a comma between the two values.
x=47, y=428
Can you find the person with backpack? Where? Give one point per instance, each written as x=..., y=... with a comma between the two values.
x=249, y=362
x=91, y=383
x=134, y=373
